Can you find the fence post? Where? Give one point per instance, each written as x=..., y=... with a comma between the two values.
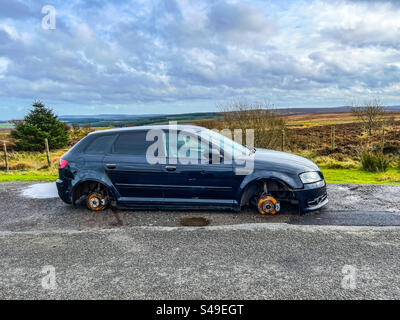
x=283, y=140
x=5, y=155
x=46, y=142
x=332, y=138
x=383, y=135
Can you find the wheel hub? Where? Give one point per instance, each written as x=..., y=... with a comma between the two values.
x=268, y=205
x=96, y=202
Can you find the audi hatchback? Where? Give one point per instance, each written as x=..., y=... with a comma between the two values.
x=185, y=167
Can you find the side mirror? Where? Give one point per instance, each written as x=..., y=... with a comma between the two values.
x=215, y=156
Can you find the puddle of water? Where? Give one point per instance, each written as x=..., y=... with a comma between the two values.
x=41, y=191
x=194, y=222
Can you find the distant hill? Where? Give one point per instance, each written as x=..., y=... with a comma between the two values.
x=107, y=116
x=124, y=120
x=325, y=110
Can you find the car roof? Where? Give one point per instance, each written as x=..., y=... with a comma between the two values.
x=154, y=127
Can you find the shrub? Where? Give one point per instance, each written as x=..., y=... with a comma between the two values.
x=374, y=162
x=367, y=161
x=382, y=162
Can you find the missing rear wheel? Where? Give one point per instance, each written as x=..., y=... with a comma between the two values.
x=96, y=202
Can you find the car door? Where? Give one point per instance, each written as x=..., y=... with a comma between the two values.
x=191, y=177
x=133, y=176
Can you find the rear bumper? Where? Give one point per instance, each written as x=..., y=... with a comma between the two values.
x=64, y=188
x=312, y=197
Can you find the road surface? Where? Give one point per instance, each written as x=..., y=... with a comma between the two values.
x=348, y=250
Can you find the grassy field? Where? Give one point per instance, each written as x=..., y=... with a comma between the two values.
x=327, y=118
x=30, y=166
x=308, y=135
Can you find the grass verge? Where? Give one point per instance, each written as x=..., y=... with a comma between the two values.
x=391, y=177
x=29, y=175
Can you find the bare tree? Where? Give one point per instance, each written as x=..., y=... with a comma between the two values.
x=371, y=114
x=267, y=124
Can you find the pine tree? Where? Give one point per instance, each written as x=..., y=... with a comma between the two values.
x=38, y=124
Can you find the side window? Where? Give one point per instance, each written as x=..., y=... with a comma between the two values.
x=100, y=145
x=133, y=143
x=184, y=145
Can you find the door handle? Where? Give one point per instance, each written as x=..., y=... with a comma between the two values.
x=111, y=165
x=170, y=168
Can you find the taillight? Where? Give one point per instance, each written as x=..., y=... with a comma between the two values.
x=63, y=164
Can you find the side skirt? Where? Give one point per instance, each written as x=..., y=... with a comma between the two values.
x=176, y=204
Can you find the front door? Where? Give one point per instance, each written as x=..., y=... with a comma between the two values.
x=189, y=177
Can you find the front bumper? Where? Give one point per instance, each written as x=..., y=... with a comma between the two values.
x=64, y=188
x=312, y=197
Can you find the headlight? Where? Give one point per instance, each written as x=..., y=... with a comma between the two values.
x=310, y=177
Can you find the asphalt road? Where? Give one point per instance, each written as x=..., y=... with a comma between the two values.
x=148, y=255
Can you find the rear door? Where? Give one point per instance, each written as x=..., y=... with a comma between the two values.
x=133, y=176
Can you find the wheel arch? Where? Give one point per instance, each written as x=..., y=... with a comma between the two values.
x=79, y=185
x=251, y=186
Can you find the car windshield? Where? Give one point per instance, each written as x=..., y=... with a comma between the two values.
x=226, y=144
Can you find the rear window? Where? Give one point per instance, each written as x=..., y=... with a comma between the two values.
x=133, y=143
x=100, y=145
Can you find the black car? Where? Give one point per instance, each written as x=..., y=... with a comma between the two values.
x=181, y=166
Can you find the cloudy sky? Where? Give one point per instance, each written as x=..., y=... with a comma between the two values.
x=176, y=56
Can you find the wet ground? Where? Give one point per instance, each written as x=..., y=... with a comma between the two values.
x=36, y=207
x=148, y=254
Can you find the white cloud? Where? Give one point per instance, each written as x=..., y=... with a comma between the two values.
x=11, y=31
x=119, y=53
x=4, y=62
